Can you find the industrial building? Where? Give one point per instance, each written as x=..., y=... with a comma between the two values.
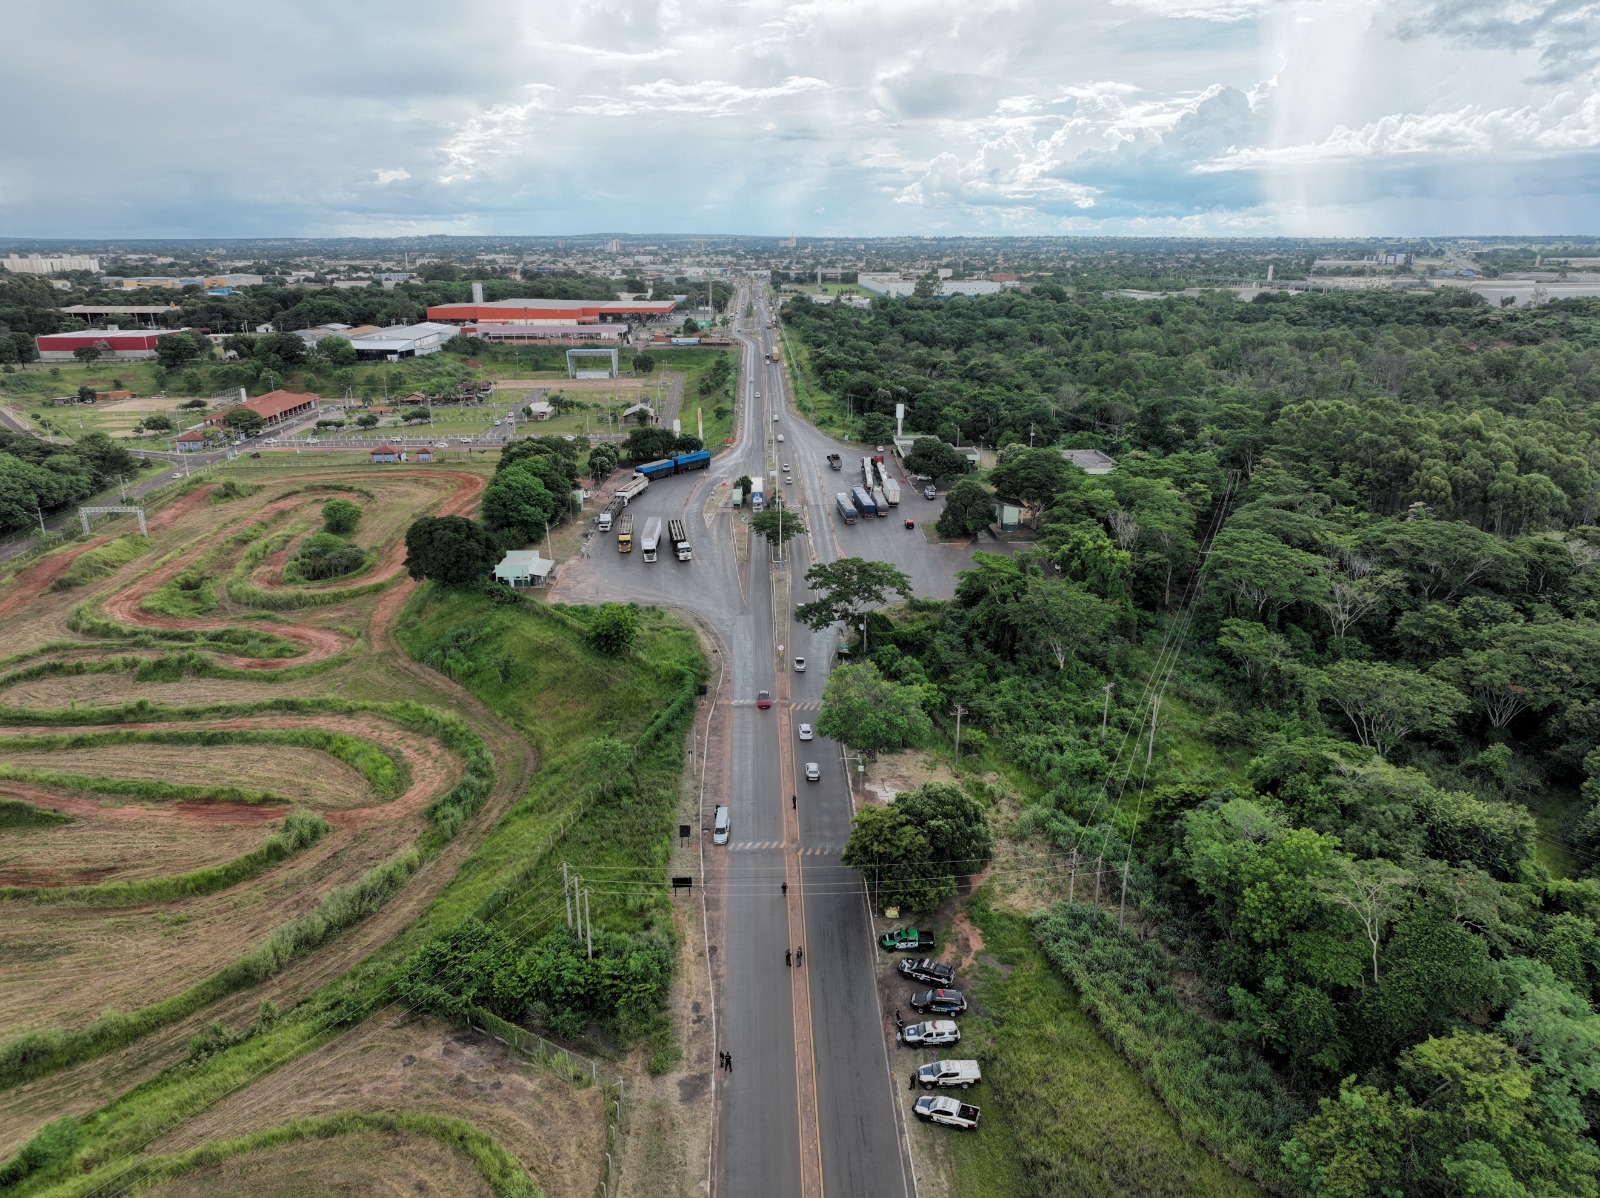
x=135, y=314
x=547, y=334
x=551, y=312
x=274, y=407
x=120, y=345
x=403, y=341
x=887, y=283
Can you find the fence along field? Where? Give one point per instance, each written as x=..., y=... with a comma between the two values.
x=196, y=805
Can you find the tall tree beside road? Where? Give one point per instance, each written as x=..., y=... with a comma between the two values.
x=935, y=458
x=450, y=550
x=777, y=525
x=518, y=505
x=968, y=508
x=866, y=711
x=848, y=587
x=649, y=442
x=956, y=828
x=895, y=859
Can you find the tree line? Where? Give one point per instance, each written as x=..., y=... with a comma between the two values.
x=1369, y=827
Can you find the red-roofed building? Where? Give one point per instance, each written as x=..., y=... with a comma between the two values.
x=118, y=345
x=388, y=453
x=274, y=407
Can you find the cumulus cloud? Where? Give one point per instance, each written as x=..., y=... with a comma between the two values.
x=779, y=116
x=1564, y=34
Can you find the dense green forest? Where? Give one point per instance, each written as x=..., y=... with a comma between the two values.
x=1348, y=563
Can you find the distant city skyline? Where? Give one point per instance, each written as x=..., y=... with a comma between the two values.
x=1343, y=118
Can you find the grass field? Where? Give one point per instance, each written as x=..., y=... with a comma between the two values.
x=1074, y=1117
x=110, y=677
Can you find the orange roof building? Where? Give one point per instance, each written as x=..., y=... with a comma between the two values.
x=274, y=407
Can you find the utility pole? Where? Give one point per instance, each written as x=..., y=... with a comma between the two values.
x=40, y=514
x=1106, y=712
x=588, y=922
x=1122, y=905
x=566, y=893
x=959, y=712
x=1149, y=752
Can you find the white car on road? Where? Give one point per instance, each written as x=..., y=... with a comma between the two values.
x=813, y=772
x=805, y=731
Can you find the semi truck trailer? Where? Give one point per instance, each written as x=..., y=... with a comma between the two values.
x=651, y=538
x=625, y=534
x=847, y=509
x=679, y=539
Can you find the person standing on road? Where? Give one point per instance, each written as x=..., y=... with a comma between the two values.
x=727, y=1061
x=799, y=954
x=784, y=886
x=788, y=958
x=794, y=802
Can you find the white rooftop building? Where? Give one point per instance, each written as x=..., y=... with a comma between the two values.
x=403, y=341
x=524, y=568
x=1090, y=461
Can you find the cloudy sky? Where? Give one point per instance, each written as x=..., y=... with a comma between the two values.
x=864, y=117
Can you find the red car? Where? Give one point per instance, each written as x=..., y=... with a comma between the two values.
x=763, y=699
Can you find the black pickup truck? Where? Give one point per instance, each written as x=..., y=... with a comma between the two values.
x=925, y=969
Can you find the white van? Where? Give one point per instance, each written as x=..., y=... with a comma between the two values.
x=719, y=827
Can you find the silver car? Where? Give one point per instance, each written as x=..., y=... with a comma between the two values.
x=720, y=826
x=805, y=731
x=813, y=773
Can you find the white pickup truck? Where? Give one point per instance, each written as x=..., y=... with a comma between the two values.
x=940, y=1074
x=948, y=1111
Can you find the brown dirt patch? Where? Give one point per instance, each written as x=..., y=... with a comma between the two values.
x=294, y=773
x=107, y=690
x=121, y=844
x=397, y=1062
x=372, y=1166
x=35, y=580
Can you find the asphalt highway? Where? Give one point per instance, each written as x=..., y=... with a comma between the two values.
x=808, y=1108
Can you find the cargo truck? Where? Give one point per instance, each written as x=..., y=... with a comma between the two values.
x=891, y=492
x=882, y=501
x=632, y=489
x=835, y=462
x=847, y=510
x=697, y=460
x=679, y=539
x=651, y=538
x=625, y=534
x=862, y=499
x=603, y=521
x=656, y=469
x=869, y=474
x=758, y=494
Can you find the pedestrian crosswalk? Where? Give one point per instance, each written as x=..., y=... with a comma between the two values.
x=752, y=846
